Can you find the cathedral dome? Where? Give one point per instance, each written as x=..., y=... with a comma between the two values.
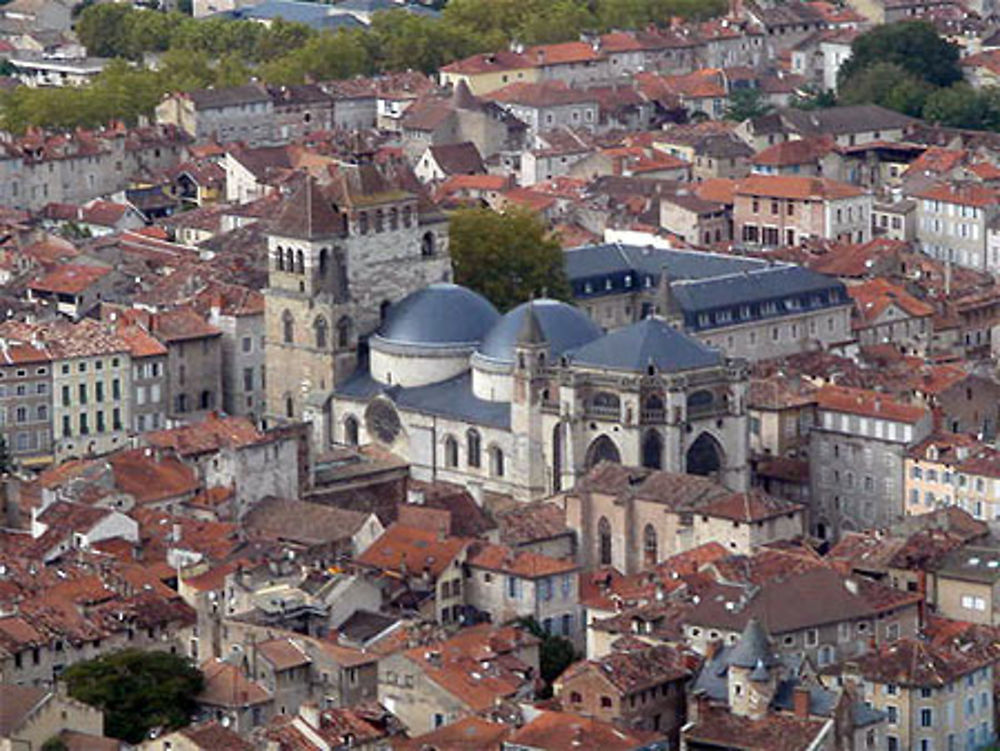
x=440, y=315
x=563, y=326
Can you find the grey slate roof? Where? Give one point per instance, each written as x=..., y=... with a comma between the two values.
x=563, y=326
x=650, y=341
x=439, y=315
x=855, y=118
x=229, y=96
x=452, y=398
x=753, y=648
x=750, y=288
x=593, y=261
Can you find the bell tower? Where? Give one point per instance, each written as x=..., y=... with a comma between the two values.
x=309, y=335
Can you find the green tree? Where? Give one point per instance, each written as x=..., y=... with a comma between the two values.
x=961, y=106
x=888, y=85
x=915, y=46
x=6, y=463
x=508, y=258
x=137, y=691
x=55, y=743
x=747, y=103
x=555, y=654
x=101, y=29
x=560, y=20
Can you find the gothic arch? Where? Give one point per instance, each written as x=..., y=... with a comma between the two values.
x=705, y=456
x=650, y=549
x=450, y=451
x=287, y=327
x=602, y=449
x=289, y=406
x=300, y=262
x=652, y=450
x=474, y=448
x=321, y=329
x=604, y=549
x=344, y=332
x=351, y=430
x=497, y=468
x=428, y=244
x=324, y=263
x=279, y=258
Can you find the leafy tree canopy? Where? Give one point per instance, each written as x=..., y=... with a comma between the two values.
x=747, y=103
x=508, y=258
x=137, y=691
x=888, y=85
x=915, y=46
x=555, y=654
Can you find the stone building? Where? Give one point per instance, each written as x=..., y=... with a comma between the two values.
x=746, y=307
x=194, y=362
x=525, y=403
x=633, y=518
x=641, y=688
x=233, y=113
x=339, y=256
x=26, y=401
x=858, y=446
x=935, y=696
x=953, y=224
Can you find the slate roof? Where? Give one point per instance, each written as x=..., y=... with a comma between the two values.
x=754, y=286
x=230, y=96
x=440, y=315
x=650, y=341
x=841, y=120
x=563, y=326
x=452, y=398
x=602, y=260
x=458, y=158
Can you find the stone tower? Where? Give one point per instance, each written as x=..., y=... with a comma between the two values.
x=339, y=254
x=531, y=369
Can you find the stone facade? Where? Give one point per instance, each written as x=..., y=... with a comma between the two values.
x=332, y=276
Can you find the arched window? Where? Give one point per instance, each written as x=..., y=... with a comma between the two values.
x=351, y=431
x=652, y=450
x=289, y=407
x=344, y=332
x=496, y=461
x=205, y=400
x=324, y=263
x=320, y=328
x=604, y=541
x=407, y=216
x=649, y=549
x=300, y=262
x=289, y=260
x=279, y=258
x=654, y=403
x=606, y=403
x=379, y=220
x=287, y=327
x=450, y=452
x=473, y=448
x=363, y=222
x=393, y=218
x=427, y=245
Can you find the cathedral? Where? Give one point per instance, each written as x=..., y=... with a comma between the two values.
x=523, y=404
x=339, y=254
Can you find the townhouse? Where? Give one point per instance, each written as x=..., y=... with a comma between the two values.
x=511, y=584
x=885, y=313
x=784, y=210
x=934, y=696
x=475, y=670
x=26, y=401
x=852, y=615
x=953, y=223
x=858, y=449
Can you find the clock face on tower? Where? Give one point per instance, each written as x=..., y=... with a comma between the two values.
x=382, y=421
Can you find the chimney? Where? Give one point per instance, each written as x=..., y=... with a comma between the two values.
x=800, y=701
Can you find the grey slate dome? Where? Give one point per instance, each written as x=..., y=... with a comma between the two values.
x=563, y=326
x=439, y=315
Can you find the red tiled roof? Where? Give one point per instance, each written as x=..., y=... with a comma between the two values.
x=801, y=151
x=523, y=563
x=796, y=187
x=70, y=279
x=964, y=195
x=872, y=297
x=867, y=403
x=415, y=550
